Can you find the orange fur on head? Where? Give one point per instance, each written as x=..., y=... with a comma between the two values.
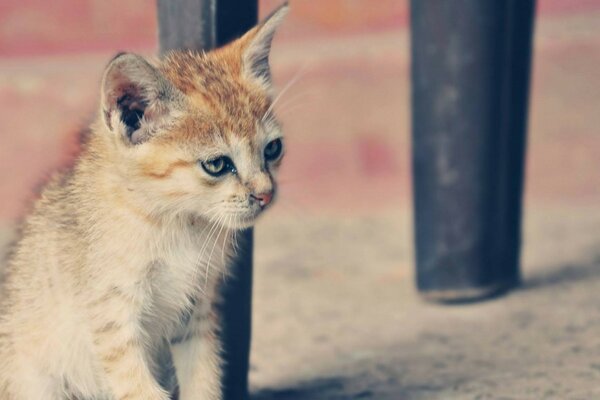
x=165, y=119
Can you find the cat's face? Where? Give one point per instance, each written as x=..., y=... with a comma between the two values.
x=195, y=133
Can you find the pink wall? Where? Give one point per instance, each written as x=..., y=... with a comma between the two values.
x=32, y=27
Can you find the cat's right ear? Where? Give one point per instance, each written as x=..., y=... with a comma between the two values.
x=137, y=100
x=256, y=45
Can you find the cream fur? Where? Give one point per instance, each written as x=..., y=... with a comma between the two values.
x=121, y=258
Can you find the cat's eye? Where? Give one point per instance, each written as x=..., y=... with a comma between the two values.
x=218, y=166
x=273, y=150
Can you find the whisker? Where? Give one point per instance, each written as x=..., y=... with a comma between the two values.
x=208, y=265
x=224, y=244
x=300, y=74
x=213, y=226
x=228, y=232
x=292, y=102
x=236, y=246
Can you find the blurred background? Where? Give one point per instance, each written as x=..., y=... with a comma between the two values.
x=336, y=314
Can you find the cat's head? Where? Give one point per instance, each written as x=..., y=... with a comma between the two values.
x=195, y=132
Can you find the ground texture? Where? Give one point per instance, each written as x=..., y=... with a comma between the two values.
x=336, y=315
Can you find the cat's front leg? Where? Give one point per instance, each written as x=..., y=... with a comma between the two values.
x=197, y=358
x=119, y=341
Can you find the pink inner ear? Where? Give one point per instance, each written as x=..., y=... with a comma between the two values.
x=117, y=85
x=137, y=92
x=130, y=96
x=126, y=98
x=127, y=95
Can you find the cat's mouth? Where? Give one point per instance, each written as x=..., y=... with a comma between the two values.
x=247, y=218
x=240, y=215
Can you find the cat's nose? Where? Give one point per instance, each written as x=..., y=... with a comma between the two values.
x=263, y=198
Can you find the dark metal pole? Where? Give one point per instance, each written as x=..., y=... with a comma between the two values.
x=206, y=24
x=470, y=80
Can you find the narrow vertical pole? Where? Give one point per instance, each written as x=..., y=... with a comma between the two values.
x=206, y=24
x=470, y=80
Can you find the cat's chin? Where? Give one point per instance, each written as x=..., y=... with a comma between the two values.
x=242, y=223
x=244, y=220
x=239, y=222
x=241, y=226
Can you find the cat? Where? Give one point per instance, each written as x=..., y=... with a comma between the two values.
x=121, y=257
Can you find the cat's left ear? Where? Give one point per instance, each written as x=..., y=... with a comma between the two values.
x=256, y=45
x=137, y=100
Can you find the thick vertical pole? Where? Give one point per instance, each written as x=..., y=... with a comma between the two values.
x=470, y=79
x=206, y=24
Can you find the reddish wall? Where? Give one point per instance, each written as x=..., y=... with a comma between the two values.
x=32, y=27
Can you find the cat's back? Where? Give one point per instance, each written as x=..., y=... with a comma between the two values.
x=53, y=218
x=49, y=240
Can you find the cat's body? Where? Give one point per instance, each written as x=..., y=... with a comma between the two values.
x=121, y=259
x=54, y=314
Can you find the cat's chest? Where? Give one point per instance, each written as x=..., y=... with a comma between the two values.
x=191, y=253
x=184, y=269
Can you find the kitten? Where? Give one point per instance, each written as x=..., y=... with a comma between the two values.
x=122, y=256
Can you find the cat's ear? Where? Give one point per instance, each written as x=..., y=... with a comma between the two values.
x=137, y=100
x=256, y=45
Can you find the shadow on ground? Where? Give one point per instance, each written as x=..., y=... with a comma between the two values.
x=570, y=273
x=537, y=342
x=323, y=388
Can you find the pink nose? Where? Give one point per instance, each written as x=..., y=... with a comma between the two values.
x=263, y=198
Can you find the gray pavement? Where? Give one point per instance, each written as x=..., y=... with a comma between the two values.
x=336, y=316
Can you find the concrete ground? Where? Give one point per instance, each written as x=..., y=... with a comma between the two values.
x=336, y=315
